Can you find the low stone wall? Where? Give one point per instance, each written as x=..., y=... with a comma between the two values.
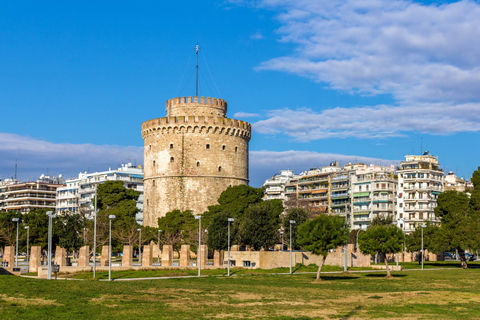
x=278, y=259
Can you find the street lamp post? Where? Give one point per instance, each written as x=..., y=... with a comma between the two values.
x=28, y=237
x=291, y=222
x=356, y=241
x=111, y=217
x=199, y=251
x=49, y=270
x=95, y=237
x=423, y=226
x=228, y=266
x=16, y=250
x=140, y=246
x=158, y=243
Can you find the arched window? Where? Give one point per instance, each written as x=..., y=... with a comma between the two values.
x=236, y=148
x=171, y=145
x=223, y=147
x=153, y=182
x=172, y=159
x=153, y=164
x=219, y=169
x=198, y=164
x=208, y=147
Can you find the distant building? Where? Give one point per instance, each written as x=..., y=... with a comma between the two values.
x=275, y=186
x=420, y=181
x=26, y=196
x=77, y=195
x=452, y=182
x=374, y=194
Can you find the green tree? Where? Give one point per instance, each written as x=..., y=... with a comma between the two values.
x=259, y=226
x=218, y=232
x=383, y=240
x=69, y=231
x=322, y=234
x=460, y=223
x=8, y=228
x=430, y=239
x=179, y=227
x=382, y=220
x=233, y=200
x=299, y=215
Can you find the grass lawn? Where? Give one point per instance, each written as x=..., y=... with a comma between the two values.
x=429, y=294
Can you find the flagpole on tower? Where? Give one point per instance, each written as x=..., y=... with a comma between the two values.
x=196, y=84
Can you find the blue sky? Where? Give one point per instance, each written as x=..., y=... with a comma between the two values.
x=319, y=80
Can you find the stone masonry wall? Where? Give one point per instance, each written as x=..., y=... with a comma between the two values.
x=191, y=157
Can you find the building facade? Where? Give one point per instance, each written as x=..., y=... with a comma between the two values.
x=275, y=186
x=420, y=181
x=78, y=194
x=26, y=196
x=191, y=156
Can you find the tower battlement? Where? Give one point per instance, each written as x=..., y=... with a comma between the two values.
x=183, y=106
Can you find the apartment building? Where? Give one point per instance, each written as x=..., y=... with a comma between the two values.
x=77, y=195
x=275, y=186
x=374, y=190
x=420, y=181
x=26, y=196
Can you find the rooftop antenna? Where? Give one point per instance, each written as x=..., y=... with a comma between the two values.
x=196, y=82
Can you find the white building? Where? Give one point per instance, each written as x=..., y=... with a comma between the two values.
x=420, y=181
x=275, y=186
x=78, y=194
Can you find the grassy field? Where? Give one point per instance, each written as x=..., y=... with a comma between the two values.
x=429, y=294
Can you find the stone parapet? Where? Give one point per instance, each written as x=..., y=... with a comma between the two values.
x=9, y=256
x=167, y=255
x=35, y=258
x=127, y=257
x=60, y=256
x=84, y=256
x=185, y=255
x=104, y=256
x=147, y=256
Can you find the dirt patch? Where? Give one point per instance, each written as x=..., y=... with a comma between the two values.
x=29, y=302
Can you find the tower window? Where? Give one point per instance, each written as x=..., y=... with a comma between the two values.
x=154, y=164
x=236, y=148
x=208, y=147
x=198, y=164
x=153, y=182
x=172, y=159
x=219, y=169
x=171, y=145
x=223, y=147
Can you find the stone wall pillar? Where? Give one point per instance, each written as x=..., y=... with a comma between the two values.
x=147, y=257
x=60, y=256
x=35, y=258
x=167, y=255
x=9, y=255
x=235, y=247
x=104, y=257
x=218, y=257
x=127, y=257
x=185, y=255
x=203, y=255
x=156, y=253
x=84, y=257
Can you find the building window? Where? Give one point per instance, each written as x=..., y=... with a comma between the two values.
x=171, y=159
x=246, y=264
x=198, y=164
x=153, y=182
x=223, y=147
x=359, y=188
x=367, y=187
x=208, y=147
x=420, y=215
x=219, y=169
x=153, y=164
x=401, y=215
x=236, y=148
x=171, y=145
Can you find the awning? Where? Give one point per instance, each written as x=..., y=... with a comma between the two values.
x=320, y=191
x=436, y=192
x=361, y=203
x=139, y=176
x=380, y=201
x=361, y=194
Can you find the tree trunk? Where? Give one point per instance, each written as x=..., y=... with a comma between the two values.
x=463, y=260
x=386, y=265
x=320, y=266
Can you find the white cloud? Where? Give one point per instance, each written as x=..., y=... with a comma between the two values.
x=264, y=164
x=242, y=115
x=416, y=52
x=257, y=36
x=371, y=122
x=36, y=156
